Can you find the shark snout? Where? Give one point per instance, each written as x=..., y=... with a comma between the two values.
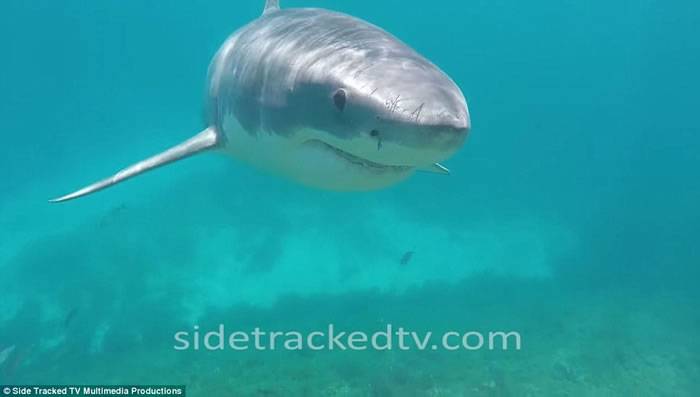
x=444, y=129
x=459, y=124
x=450, y=123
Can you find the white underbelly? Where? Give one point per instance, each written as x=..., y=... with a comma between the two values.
x=306, y=162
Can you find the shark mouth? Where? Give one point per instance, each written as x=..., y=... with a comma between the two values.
x=358, y=161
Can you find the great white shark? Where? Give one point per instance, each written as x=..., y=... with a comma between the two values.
x=325, y=99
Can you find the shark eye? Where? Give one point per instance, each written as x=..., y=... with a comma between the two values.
x=339, y=99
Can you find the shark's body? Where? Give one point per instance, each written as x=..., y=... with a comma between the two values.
x=325, y=99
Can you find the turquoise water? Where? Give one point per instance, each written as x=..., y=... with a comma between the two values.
x=571, y=215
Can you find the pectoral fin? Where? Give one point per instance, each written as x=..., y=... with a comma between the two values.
x=205, y=140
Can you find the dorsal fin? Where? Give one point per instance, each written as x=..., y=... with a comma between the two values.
x=271, y=5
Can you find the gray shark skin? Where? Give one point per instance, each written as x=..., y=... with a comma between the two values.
x=324, y=99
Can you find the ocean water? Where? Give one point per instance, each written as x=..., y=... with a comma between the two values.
x=572, y=215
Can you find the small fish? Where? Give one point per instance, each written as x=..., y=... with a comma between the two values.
x=113, y=214
x=70, y=316
x=5, y=354
x=406, y=258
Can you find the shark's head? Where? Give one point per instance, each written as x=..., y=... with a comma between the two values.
x=371, y=100
x=395, y=112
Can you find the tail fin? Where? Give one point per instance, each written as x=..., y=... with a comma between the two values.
x=205, y=140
